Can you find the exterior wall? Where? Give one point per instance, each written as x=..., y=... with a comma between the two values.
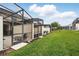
x=17, y=38
x=77, y=26
x=1, y=33
x=32, y=30
x=27, y=30
x=37, y=27
x=45, y=29
x=36, y=30
x=17, y=29
x=40, y=29
x=7, y=42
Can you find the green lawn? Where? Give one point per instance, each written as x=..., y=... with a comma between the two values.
x=57, y=43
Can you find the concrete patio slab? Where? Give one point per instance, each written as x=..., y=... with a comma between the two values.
x=18, y=46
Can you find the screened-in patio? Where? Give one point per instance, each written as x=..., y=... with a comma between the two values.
x=37, y=27
x=17, y=25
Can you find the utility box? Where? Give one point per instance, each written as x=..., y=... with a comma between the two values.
x=1, y=33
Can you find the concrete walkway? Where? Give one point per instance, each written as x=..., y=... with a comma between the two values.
x=18, y=46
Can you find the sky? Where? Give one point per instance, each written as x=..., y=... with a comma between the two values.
x=63, y=13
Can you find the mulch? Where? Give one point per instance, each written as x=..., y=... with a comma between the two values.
x=5, y=52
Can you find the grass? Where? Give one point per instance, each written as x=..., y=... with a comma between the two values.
x=57, y=43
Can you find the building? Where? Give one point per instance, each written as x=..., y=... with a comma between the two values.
x=37, y=27
x=46, y=28
x=75, y=24
x=69, y=27
x=17, y=28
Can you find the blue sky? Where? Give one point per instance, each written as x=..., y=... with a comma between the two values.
x=64, y=13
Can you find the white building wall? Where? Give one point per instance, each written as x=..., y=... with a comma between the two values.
x=77, y=26
x=32, y=30
x=7, y=42
x=1, y=33
x=17, y=29
x=45, y=29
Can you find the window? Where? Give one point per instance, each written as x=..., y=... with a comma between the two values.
x=6, y=29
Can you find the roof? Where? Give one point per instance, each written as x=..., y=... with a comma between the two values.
x=5, y=11
x=18, y=23
x=45, y=25
x=37, y=19
x=76, y=21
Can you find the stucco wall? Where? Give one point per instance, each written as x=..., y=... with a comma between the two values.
x=32, y=30
x=7, y=42
x=1, y=33
x=77, y=26
x=45, y=29
x=17, y=29
x=27, y=29
x=36, y=30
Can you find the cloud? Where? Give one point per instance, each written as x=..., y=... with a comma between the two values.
x=45, y=10
x=51, y=12
x=66, y=15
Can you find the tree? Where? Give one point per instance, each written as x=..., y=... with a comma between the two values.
x=55, y=25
